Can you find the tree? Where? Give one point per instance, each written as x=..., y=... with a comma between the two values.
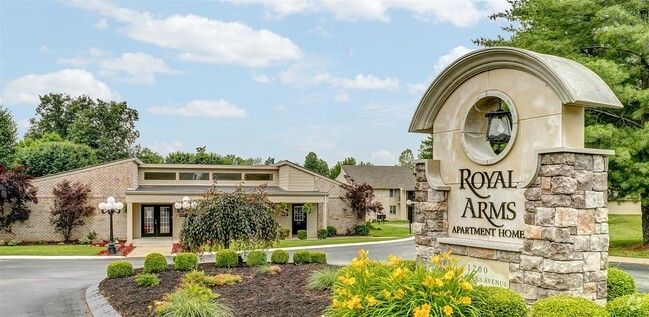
x=609, y=37
x=360, y=197
x=8, y=136
x=107, y=127
x=148, y=156
x=16, y=190
x=269, y=161
x=45, y=158
x=426, y=149
x=70, y=206
x=314, y=164
x=241, y=219
x=406, y=158
x=335, y=170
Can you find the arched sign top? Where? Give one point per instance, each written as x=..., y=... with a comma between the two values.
x=573, y=83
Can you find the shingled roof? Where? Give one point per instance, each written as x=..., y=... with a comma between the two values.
x=382, y=177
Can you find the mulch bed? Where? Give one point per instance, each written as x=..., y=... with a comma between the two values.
x=257, y=294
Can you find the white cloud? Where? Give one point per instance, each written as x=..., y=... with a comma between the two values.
x=416, y=89
x=449, y=58
x=456, y=12
x=321, y=32
x=261, y=78
x=281, y=108
x=96, y=52
x=75, y=82
x=200, y=39
x=23, y=124
x=314, y=137
x=77, y=61
x=217, y=109
x=139, y=66
x=101, y=24
x=342, y=97
x=44, y=49
x=165, y=148
x=300, y=75
x=383, y=155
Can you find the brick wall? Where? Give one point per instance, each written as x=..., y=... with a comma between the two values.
x=105, y=180
x=339, y=214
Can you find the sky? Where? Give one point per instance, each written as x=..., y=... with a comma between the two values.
x=252, y=78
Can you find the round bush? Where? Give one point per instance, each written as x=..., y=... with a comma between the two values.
x=302, y=257
x=319, y=257
x=154, y=262
x=185, y=261
x=634, y=305
x=362, y=230
x=323, y=234
x=279, y=257
x=301, y=234
x=492, y=301
x=226, y=258
x=567, y=306
x=619, y=284
x=147, y=279
x=119, y=269
x=256, y=258
x=331, y=231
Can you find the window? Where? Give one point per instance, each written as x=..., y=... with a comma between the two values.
x=159, y=176
x=393, y=209
x=194, y=176
x=394, y=192
x=259, y=177
x=227, y=176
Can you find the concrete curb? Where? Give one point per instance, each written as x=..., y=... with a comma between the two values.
x=619, y=259
x=97, y=303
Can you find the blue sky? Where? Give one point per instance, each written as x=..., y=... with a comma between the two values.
x=247, y=77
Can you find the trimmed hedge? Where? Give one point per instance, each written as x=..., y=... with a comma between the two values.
x=362, y=230
x=634, y=305
x=301, y=234
x=619, y=284
x=185, y=261
x=323, y=234
x=331, y=231
x=154, y=262
x=256, y=258
x=567, y=306
x=301, y=257
x=492, y=301
x=279, y=257
x=119, y=269
x=226, y=258
x=319, y=257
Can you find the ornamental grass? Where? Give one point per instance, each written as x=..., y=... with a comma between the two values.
x=397, y=288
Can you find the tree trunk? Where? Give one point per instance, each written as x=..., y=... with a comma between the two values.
x=645, y=224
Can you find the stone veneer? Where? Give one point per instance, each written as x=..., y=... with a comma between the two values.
x=565, y=249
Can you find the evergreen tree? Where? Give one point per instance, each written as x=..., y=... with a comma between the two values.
x=8, y=135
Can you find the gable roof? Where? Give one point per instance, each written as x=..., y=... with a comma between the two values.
x=303, y=169
x=382, y=177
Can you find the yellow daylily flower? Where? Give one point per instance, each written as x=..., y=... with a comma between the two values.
x=448, y=310
x=422, y=311
x=371, y=301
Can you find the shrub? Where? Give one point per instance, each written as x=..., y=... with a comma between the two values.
x=154, y=262
x=301, y=257
x=284, y=233
x=491, y=301
x=331, y=231
x=369, y=288
x=2, y=242
x=84, y=240
x=119, y=269
x=13, y=242
x=199, y=277
x=226, y=258
x=362, y=230
x=321, y=280
x=256, y=258
x=147, y=279
x=322, y=234
x=634, y=305
x=192, y=300
x=279, y=257
x=567, y=306
x=226, y=279
x=619, y=284
x=185, y=261
x=301, y=234
x=319, y=257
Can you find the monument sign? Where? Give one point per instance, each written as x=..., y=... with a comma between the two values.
x=511, y=188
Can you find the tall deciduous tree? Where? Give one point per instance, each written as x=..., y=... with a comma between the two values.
x=16, y=191
x=8, y=136
x=335, y=170
x=146, y=155
x=43, y=157
x=70, y=207
x=426, y=149
x=360, y=198
x=610, y=37
x=107, y=127
x=405, y=159
x=314, y=164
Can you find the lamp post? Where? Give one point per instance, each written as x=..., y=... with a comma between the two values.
x=499, y=127
x=409, y=203
x=185, y=205
x=111, y=207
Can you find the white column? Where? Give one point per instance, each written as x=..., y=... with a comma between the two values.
x=129, y=222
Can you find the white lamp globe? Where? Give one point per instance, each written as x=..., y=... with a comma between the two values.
x=110, y=199
x=186, y=204
x=119, y=206
x=102, y=206
x=178, y=205
x=185, y=198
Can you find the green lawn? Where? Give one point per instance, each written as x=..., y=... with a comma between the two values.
x=388, y=231
x=626, y=234
x=50, y=250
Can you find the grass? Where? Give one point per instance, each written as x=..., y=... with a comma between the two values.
x=625, y=232
x=387, y=231
x=323, y=279
x=65, y=249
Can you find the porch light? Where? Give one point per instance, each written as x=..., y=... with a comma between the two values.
x=186, y=204
x=499, y=127
x=111, y=207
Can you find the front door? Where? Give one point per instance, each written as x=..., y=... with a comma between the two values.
x=299, y=219
x=156, y=221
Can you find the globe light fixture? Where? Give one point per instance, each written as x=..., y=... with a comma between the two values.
x=111, y=207
x=499, y=127
x=183, y=206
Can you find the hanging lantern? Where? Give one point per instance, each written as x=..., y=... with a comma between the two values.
x=499, y=127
